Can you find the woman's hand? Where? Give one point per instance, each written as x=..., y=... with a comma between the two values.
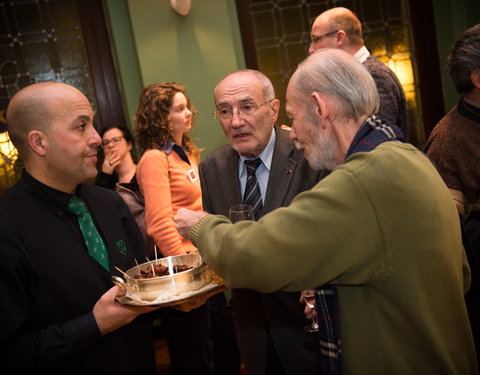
x=111, y=160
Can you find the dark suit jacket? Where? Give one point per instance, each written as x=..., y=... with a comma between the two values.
x=274, y=319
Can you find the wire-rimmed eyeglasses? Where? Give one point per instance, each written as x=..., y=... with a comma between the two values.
x=114, y=141
x=246, y=109
x=316, y=38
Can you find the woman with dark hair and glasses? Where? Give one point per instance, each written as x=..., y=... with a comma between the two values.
x=167, y=175
x=119, y=162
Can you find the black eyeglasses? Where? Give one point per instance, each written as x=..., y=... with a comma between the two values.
x=246, y=109
x=114, y=141
x=316, y=38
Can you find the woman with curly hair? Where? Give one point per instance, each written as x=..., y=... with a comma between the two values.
x=167, y=175
x=168, y=169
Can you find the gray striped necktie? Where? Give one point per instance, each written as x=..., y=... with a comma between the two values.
x=252, y=195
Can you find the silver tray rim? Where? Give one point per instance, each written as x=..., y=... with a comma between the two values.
x=215, y=284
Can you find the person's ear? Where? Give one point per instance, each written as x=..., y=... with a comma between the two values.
x=182, y=7
x=340, y=38
x=275, y=107
x=322, y=108
x=475, y=78
x=37, y=141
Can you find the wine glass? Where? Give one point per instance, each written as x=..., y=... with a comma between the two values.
x=240, y=212
x=309, y=297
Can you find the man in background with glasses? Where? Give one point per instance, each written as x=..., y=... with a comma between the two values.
x=340, y=28
x=269, y=326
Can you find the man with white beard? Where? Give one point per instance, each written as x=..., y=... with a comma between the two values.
x=379, y=238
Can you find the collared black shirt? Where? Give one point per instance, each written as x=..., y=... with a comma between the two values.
x=49, y=284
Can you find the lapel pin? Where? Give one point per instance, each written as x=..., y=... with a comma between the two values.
x=289, y=171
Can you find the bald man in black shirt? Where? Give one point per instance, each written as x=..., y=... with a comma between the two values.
x=60, y=314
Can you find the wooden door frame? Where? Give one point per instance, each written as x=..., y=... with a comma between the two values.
x=101, y=62
x=429, y=77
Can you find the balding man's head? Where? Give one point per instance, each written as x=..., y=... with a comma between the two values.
x=329, y=97
x=264, y=81
x=341, y=77
x=247, y=110
x=337, y=28
x=51, y=123
x=29, y=110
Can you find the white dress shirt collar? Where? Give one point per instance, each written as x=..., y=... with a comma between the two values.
x=362, y=54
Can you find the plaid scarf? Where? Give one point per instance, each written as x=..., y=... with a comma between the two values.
x=372, y=133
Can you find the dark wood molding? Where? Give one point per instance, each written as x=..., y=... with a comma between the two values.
x=246, y=31
x=426, y=53
x=102, y=66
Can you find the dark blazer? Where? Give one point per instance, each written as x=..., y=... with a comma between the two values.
x=274, y=319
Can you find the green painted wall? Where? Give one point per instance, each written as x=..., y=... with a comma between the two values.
x=452, y=17
x=196, y=50
x=152, y=44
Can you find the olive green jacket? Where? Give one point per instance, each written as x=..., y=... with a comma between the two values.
x=384, y=229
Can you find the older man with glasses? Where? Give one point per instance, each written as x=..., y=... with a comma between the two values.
x=269, y=326
x=340, y=28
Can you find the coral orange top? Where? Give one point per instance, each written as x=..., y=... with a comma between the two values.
x=168, y=183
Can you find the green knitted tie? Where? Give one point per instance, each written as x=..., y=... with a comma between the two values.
x=95, y=244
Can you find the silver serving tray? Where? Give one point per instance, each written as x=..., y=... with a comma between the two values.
x=216, y=284
x=170, y=288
